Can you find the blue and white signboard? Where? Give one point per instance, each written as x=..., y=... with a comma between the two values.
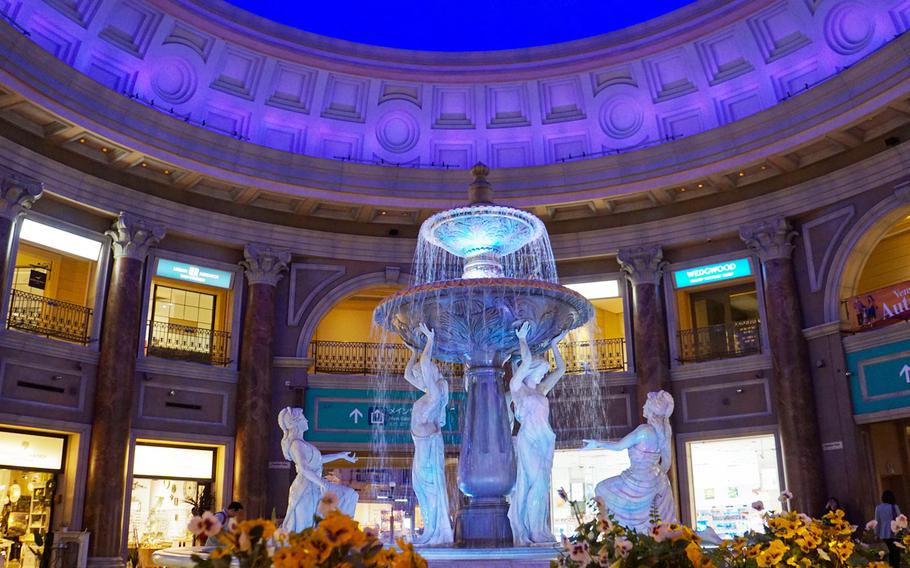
x=192, y=273
x=727, y=270
x=358, y=416
x=880, y=378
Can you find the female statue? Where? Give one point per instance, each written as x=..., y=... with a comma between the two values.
x=631, y=495
x=428, y=416
x=535, y=443
x=308, y=487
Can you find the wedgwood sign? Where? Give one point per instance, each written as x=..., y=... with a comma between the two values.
x=727, y=270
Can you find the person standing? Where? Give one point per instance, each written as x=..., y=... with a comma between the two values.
x=229, y=512
x=886, y=512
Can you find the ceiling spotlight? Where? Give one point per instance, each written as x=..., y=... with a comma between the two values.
x=104, y=149
x=682, y=189
x=145, y=164
x=383, y=212
x=764, y=167
x=741, y=174
x=701, y=185
x=82, y=140
x=167, y=172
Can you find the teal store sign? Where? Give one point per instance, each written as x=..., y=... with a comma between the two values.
x=192, y=273
x=727, y=270
x=880, y=377
x=356, y=416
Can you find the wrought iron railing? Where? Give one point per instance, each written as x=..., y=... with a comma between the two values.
x=596, y=355
x=49, y=317
x=720, y=341
x=188, y=343
x=363, y=358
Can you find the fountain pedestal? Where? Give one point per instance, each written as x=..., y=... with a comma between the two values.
x=486, y=470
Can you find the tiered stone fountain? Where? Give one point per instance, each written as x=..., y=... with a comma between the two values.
x=507, y=277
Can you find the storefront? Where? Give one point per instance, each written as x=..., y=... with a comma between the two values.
x=31, y=464
x=718, y=313
x=170, y=484
x=726, y=476
x=579, y=472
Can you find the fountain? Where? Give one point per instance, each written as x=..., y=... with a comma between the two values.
x=481, y=271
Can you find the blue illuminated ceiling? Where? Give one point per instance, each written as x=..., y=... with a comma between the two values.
x=460, y=25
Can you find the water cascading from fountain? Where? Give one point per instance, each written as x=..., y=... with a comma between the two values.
x=480, y=272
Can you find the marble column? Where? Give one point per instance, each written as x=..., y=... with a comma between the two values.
x=105, y=491
x=264, y=267
x=644, y=268
x=772, y=241
x=17, y=193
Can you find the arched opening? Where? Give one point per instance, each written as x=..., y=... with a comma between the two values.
x=345, y=341
x=877, y=293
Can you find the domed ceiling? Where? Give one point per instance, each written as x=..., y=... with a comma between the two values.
x=467, y=25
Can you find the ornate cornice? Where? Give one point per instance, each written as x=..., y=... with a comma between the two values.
x=132, y=236
x=17, y=193
x=770, y=239
x=263, y=264
x=642, y=265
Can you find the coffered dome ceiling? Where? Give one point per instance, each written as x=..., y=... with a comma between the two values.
x=203, y=100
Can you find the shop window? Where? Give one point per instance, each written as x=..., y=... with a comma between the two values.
x=726, y=476
x=601, y=345
x=30, y=464
x=883, y=289
x=53, y=283
x=190, y=313
x=170, y=484
x=579, y=472
x=717, y=311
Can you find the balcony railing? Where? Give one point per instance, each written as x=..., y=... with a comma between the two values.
x=188, y=343
x=596, y=355
x=49, y=317
x=720, y=341
x=362, y=358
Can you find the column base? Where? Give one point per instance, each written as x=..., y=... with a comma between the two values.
x=483, y=523
x=106, y=562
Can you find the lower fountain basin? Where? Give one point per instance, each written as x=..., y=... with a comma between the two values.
x=527, y=557
x=475, y=319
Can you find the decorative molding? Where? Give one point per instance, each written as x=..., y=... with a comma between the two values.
x=170, y=368
x=43, y=346
x=877, y=337
x=721, y=367
x=770, y=239
x=292, y=362
x=818, y=266
x=736, y=386
x=822, y=330
x=17, y=193
x=328, y=275
x=132, y=236
x=642, y=265
x=263, y=264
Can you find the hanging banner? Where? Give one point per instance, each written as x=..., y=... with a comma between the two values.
x=879, y=307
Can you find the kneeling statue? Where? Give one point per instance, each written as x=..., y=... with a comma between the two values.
x=631, y=495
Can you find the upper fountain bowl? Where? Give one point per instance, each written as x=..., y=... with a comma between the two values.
x=482, y=229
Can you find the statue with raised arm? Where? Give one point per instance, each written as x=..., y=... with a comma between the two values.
x=631, y=495
x=535, y=442
x=309, y=486
x=428, y=416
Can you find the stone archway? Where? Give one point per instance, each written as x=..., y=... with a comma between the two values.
x=335, y=295
x=858, y=243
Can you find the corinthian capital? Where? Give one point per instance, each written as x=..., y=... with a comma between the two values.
x=643, y=265
x=133, y=236
x=17, y=193
x=769, y=239
x=263, y=264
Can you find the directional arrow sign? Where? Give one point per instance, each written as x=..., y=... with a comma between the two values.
x=357, y=415
x=905, y=372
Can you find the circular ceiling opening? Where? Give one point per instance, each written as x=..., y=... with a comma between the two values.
x=465, y=25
